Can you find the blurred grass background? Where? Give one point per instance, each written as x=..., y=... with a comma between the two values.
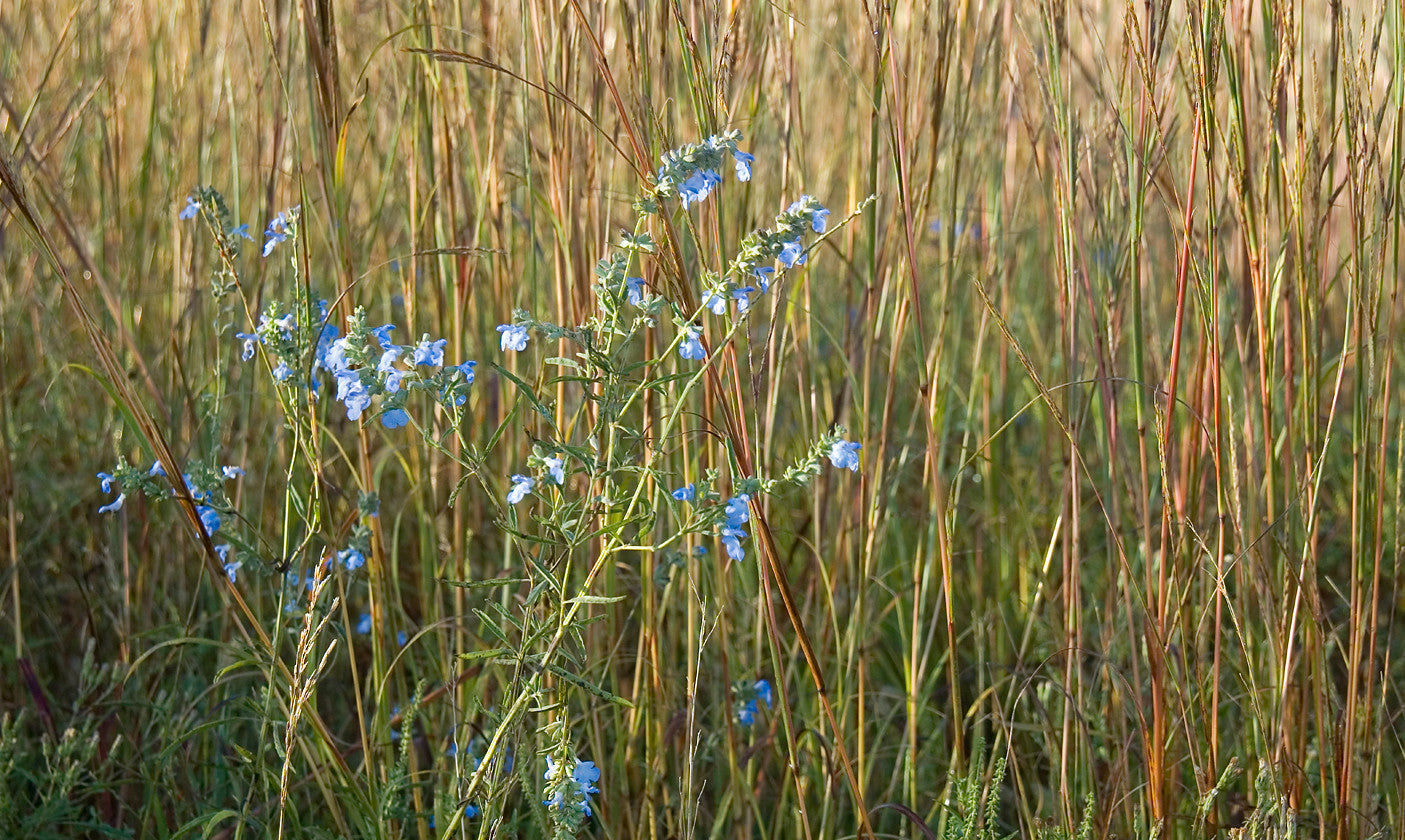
x=1118, y=336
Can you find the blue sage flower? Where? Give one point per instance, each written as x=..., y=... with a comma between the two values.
x=278, y=229
x=571, y=792
x=742, y=298
x=389, y=357
x=209, y=517
x=691, y=348
x=352, y=391
x=231, y=567
x=521, y=486
x=698, y=186
x=351, y=558
x=114, y=505
x=760, y=690
x=792, y=254
x=845, y=454
x=514, y=337
x=429, y=352
x=191, y=208
x=715, y=302
x=382, y=334
x=394, y=418
x=743, y=162
x=250, y=339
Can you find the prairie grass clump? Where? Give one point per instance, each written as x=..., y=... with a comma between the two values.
x=557, y=464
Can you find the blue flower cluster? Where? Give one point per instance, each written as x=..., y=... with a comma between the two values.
x=363, y=364
x=568, y=792
x=747, y=697
x=217, y=216
x=753, y=269
x=280, y=228
x=551, y=467
x=204, y=483
x=736, y=514
x=690, y=171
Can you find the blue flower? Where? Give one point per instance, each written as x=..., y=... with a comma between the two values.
x=231, y=567
x=394, y=418
x=106, y=479
x=556, y=465
x=241, y=230
x=191, y=208
x=326, y=337
x=763, y=273
x=387, y=362
x=351, y=558
x=401, y=637
x=792, y=254
x=521, y=486
x=335, y=358
x=273, y=238
x=818, y=213
x=282, y=372
x=363, y=624
x=351, y=391
x=845, y=454
x=741, y=296
x=514, y=337
x=115, y=505
x=429, y=352
x=456, y=393
x=382, y=334
x=209, y=517
x=583, y=778
x=743, y=162
x=156, y=469
x=763, y=691
x=698, y=186
x=231, y=473
x=586, y=775
x=732, y=542
x=277, y=231
x=392, y=380
x=691, y=348
x=715, y=302
x=250, y=339
x=737, y=512
x=634, y=289
x=470, y=811
x=686, y=494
